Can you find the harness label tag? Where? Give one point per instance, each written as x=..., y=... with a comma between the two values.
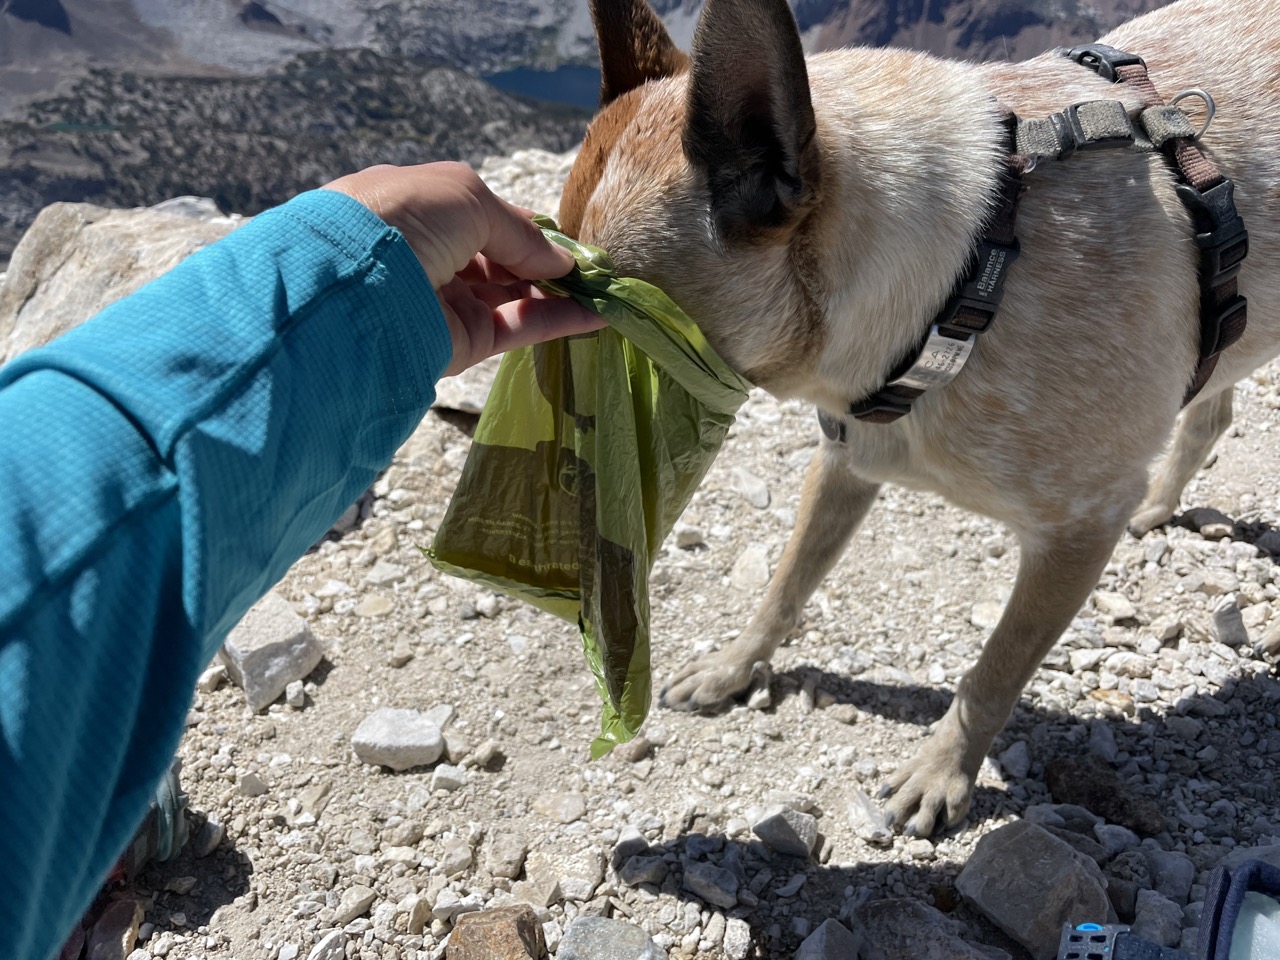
x=938, y=363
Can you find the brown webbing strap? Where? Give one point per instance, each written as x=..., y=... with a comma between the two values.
x=1197, y=169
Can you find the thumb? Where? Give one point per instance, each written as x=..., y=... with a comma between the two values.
x=517, y=243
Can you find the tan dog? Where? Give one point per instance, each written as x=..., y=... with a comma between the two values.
x=812, y=216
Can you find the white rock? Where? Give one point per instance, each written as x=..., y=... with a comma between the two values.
x=385, y=573
x=447, y=777
x=754, y=490
x=868, y=820
x=751, y=570
x=737, y=939
x=1114, y=606
x=268, y=649
x=332, y=947
x=212, y=678
x=398, y=739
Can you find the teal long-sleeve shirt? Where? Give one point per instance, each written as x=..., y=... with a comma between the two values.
x=161, y=466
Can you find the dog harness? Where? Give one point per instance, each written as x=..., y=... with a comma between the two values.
x=1207, y=194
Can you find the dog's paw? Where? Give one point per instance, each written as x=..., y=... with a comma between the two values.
x=707, y=683
x=929, y=791
x=1150, y=516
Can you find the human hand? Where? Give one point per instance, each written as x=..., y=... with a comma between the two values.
x=479, y=252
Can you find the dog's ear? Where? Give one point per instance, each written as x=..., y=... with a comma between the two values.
x=634, y=47
x=750, y=126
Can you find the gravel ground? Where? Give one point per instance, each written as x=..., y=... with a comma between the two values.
x=316, y=841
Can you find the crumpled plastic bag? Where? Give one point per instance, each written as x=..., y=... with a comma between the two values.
x=587, y=452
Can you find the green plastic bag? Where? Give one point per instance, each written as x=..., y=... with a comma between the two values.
x=586, y=454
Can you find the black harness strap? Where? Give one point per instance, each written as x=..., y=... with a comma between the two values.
x=1207, y=195
x=967, y=313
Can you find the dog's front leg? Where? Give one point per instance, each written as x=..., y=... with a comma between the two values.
x=833, y=502
x=1055, y=576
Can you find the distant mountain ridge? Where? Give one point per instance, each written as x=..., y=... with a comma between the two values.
x=248, y=101
x=254, y=36
x=122, y=139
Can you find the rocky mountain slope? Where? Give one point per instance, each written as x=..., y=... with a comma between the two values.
x=124, y=139
x=1144, y=752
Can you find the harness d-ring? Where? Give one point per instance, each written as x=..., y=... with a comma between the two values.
x=1209, y=105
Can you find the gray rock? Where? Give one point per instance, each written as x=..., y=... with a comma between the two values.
x=631, y=842
x=268, y=649
x=700, y=846
x=1083, y=843
x=831, y=941
x=1102, y=742
x=688, y=537
x=295, y=695
x=355, y=902
x=76, y=259
x=505, y=855
x=1269, y=645
x=711, y=883
x=252, y=785
x=1172, y=873
x=1016, y=760
x=985, y=614
x=573, y=873
x=598, y=938
x=332, y=947
x=1228, y=623
x=1115, y=838
x=399, y=739
x=1158, y=919
x=791, y=887
x=897, y=929
x=1237, y=857
x=456, y=857
x=1029, y=883
x=441, y=714
x=208, y=838
x=646, y=869
x=788, y=832
x=1123, y=895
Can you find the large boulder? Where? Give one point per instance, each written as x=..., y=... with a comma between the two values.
x=1029, y=883
x=77, y=258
